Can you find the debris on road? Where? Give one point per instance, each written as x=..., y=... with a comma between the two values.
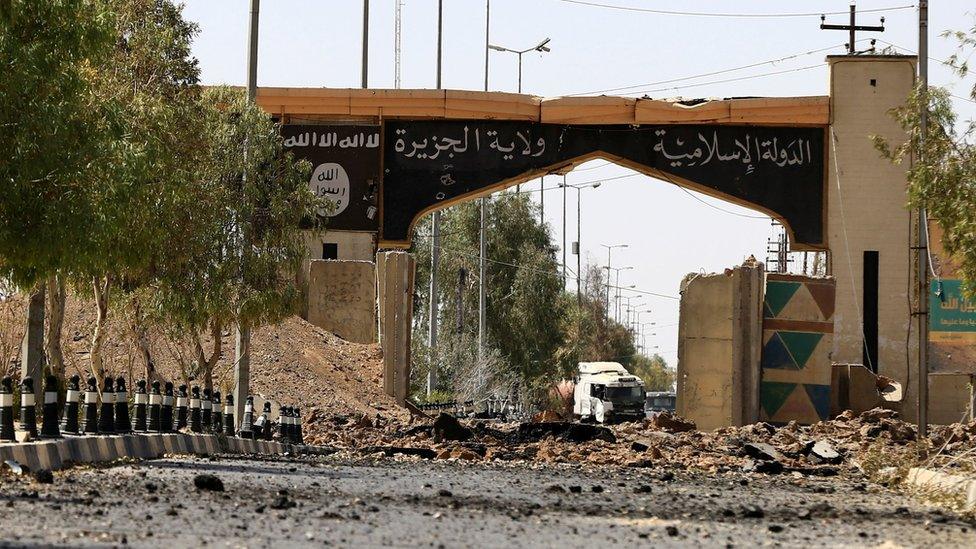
x=208, y=482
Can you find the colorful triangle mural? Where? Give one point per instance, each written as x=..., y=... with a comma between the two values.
x=778, y=294
x=823, y=295
x=820, y=398
x=800, y=345
x=776, y=355
x=773, y=394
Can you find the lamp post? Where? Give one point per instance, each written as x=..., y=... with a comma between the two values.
x=616, y=297
x=610, y=248
x=541, y=47
x=577, y=250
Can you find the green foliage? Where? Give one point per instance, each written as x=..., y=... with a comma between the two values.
x=52, y=133
x=654, y=371
x=942, y=164
x=536, y=331
x=243, y=244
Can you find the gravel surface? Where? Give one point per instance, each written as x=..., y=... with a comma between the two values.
x=386, y=502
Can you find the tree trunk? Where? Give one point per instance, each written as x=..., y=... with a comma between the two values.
x=141, y=334
x=55, y=321
x=101, y=288
x=207, y=364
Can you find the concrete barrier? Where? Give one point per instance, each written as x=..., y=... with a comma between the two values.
x=57, y=454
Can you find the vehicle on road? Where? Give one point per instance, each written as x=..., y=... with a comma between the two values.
x=660, y=401
x=606, y=391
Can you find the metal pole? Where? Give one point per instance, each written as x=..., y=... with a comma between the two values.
x=609, y=272
x=616, y=300
x=440, y=38
x=365, y=43
x=252, y=49
x=923, y=271
x=853, y=19
x=542, y=201
x=242, y=334
x=435, y=240
x=579, y=246
x=520, y=72
x=482, y=240
x=487, y=34
x=564, y=231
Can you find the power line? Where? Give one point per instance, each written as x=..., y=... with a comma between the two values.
x=556, y=274
x=714, y=73
x=726, y=80
x=733, y=15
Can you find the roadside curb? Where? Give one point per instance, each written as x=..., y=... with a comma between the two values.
x=953, y=485
x=60, y=453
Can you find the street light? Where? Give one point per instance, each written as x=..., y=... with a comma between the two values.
x=610, y=248
x=616, y=298
x=577, y=246
x=541, y=48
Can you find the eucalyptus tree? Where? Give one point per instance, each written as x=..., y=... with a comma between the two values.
x=250, y=246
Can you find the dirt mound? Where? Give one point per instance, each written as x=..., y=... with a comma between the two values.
x=293, y=361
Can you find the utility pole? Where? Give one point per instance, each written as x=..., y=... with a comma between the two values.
x=242, y=332
x=482, y=242
x=922, y=245
x=435, y=238
x=397, y=18
x=365, y=44
x=564, y=232
x=851, y=28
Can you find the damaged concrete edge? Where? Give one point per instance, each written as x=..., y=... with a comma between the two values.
x=61, y=453
x=955, y=486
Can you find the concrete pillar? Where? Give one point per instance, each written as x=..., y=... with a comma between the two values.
x=748, y=286
x=719, y=347
x=394, y=283
x=32, y=348
x=866, y=212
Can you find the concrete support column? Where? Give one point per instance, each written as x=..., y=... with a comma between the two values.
x=748, y=287
x=394, y=282
x=32, y=349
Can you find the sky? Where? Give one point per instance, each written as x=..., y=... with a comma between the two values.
x=669, y=232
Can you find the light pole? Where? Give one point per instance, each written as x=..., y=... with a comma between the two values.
x=482, y=241
x=541, y=47
x=616, y=297
x=435, y=240
x=577, y=245
x=610, y=248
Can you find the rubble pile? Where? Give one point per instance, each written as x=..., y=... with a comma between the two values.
x=849, y=444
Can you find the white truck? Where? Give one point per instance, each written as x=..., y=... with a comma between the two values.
x=606, y=391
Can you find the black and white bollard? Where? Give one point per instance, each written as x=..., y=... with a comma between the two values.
x=182, y=402
x=155, y=408
x=72, y=406
x=247, y=422
x=229, y=415
x=266, y=429
x=299, y=435
x=122, y=422
x=90, y=423
x=28, y=407
x=106, y=420
x=290, y=414
x=49, y=417
x=141, y=402
x=166, y=409
x=7, y=410
x=195, y=410
x=206, y=411
x=218, y=421
x=283, y=427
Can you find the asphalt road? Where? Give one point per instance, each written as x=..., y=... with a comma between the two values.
x=371, y=503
